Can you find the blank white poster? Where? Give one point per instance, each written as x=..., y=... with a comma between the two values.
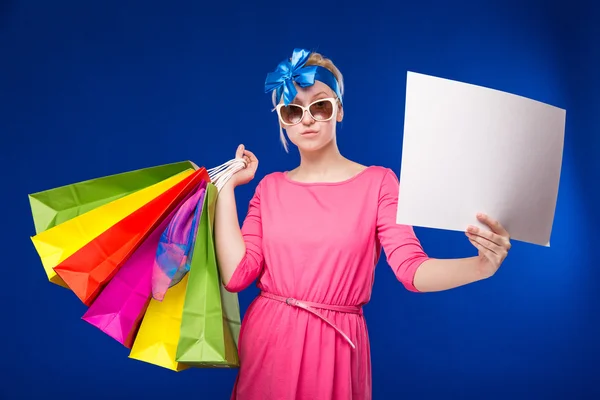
x=469, y=149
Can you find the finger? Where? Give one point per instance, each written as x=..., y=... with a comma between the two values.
x=486, y=243
x=484, y=250
x=250, y=155
x=240, y=151
x=246, y=159
x=492, y=252
x=492, y=237
x=494, y=224
x=253, y=160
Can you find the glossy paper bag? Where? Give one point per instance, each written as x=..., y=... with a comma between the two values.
x=87, y=271
x=60, y=242
x=157, y=337
x=119, y=308
x=55, y=206
x=210, y=322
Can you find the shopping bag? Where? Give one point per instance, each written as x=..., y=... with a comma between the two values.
x=156, y=340
x=60, y=242
x=55, y=206
x=87, y=266
x=174, y=250
x=119, y=308
x=210, y=322
x=88, y=270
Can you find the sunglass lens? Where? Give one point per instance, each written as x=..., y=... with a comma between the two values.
x=322, y=110
x=291, y=114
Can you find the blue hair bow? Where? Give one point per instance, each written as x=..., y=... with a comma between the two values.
x=282, y=79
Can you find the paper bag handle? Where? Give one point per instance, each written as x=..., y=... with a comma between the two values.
x=221, y=174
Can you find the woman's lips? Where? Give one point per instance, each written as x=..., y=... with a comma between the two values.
x=309, y=133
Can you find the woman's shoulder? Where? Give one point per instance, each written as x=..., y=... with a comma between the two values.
x=272, y=177
x=381, y=175
x=269, y=179
x=381, y=180
x=380, y=170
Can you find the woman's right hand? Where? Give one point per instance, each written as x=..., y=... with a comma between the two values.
x=245, y=175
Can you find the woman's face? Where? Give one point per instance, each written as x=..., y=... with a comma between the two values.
x=310, y=134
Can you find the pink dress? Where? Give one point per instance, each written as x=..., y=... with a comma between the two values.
x=316, y=244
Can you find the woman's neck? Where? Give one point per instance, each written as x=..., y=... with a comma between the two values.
x=322, y=165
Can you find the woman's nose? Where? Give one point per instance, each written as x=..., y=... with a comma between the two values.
x=307, y=119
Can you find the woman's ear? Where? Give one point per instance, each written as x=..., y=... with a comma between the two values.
x=340, y=113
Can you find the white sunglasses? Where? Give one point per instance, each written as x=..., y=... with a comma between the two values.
x=320, y=110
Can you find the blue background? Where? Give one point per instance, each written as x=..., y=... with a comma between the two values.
x=93, y=88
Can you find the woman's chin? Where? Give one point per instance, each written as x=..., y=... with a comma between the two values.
x=307, y=145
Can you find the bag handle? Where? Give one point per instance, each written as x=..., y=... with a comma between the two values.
x=221, y=174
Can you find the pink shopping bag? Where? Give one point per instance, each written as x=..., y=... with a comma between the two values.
x=120, y=307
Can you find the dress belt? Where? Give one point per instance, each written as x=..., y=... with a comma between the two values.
x=313, y=308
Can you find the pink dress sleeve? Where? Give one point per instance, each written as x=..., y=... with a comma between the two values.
x=251, y=264
x=402, y=248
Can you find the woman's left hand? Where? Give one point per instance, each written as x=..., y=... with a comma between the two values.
x=493, y=245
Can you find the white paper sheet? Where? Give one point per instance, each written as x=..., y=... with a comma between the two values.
x=469, y=149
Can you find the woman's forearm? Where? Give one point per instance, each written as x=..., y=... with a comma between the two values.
x=229, y=242
x=436, y=275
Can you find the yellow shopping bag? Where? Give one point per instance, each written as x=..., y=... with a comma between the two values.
x=61, y=241
x=157, y=338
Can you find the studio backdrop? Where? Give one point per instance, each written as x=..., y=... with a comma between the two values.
x=89, y=89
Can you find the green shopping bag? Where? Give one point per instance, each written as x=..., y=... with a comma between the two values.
x=55, y=206
x=210, y=323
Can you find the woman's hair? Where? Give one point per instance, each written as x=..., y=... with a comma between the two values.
x=314, y=59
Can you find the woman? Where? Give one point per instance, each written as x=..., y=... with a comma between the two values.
x=312, y=238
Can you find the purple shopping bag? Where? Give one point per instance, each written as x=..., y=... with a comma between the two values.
x=174, y=252
x=120, y=307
